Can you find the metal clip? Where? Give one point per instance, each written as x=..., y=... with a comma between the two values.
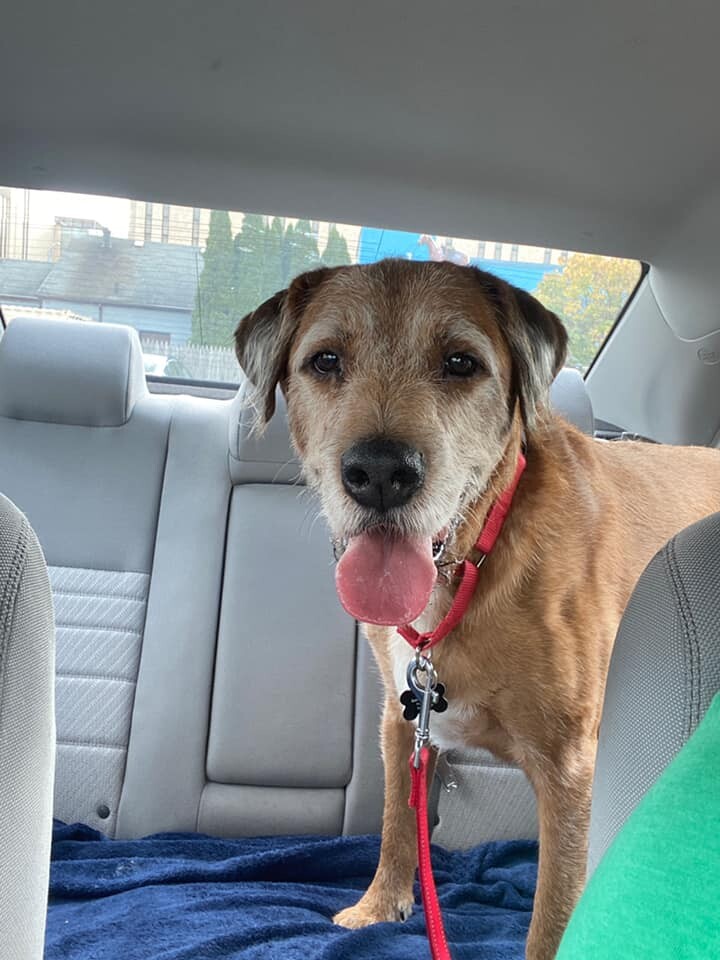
x=421, y=666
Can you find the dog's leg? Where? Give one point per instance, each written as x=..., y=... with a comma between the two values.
x=563, y=793
x=390, y=895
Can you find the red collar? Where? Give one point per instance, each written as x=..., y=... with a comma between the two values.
x=468, y=570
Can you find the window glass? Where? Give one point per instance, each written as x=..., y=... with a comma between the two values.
x=183, y=276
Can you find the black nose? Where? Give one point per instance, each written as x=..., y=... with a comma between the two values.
x=382, y=473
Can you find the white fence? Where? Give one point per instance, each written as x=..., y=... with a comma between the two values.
x=191, y=361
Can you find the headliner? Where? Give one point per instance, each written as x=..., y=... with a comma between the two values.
x=563, y=123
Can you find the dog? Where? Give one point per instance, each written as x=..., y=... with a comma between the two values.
x=412, y=388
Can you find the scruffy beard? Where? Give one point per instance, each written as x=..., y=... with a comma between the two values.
x=414, y=520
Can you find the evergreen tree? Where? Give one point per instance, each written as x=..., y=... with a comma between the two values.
x=336, y=253
x=214, y=316
x=273, y=273
x=250, y=263
x=303, y=252
x=287, y=255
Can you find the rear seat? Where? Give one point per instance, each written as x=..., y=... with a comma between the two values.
x=82, y=453
x=207, y=678
x=170, y=717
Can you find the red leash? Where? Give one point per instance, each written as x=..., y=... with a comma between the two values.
x=429, y=696
x=431, y=905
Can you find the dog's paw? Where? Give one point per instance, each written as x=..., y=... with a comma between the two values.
x=369, y=911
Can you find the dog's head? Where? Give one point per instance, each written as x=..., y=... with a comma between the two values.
x=403, y=382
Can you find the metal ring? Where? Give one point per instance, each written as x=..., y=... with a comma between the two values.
x=417, y=666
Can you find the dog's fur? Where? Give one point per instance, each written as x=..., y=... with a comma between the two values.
x=525, y=671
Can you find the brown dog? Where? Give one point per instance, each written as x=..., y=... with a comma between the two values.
x=411, y=388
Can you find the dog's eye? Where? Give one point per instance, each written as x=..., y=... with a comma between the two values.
x=460, y=365
x=325, y=362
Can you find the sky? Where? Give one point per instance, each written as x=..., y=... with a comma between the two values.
x=111, y=212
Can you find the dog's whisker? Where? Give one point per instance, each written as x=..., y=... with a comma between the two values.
x=311, y=515
x=316, y=519
x=284, y=466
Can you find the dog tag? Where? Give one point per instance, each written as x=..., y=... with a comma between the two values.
x=439, y=704
x=424, y=694
x=412, y=702
x=411, y=705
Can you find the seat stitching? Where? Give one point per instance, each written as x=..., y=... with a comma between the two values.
x=689, y=650
x=69, y=675
x=79, y=626
x=102, y=596
x=94, y=744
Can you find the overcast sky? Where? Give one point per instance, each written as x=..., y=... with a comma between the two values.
x=111, y=212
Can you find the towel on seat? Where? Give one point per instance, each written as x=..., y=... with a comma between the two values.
x=191, y=897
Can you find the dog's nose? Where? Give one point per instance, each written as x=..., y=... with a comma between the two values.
x=382, y=473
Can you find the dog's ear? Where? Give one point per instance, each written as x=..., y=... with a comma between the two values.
x=537, y=341
x=539, y=352
x=262, y=342
x=263, y=339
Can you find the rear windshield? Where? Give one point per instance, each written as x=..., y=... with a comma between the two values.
x=183, y=276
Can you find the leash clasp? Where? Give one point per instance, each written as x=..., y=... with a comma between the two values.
x=422, y=681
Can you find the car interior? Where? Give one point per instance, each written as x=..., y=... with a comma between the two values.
x=175, y=668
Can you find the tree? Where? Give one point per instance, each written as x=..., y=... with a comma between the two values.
x=588, y=294
x=336, y=252
x=273, y=273
x=302, y=249
x=249, y=270
x=213, y=319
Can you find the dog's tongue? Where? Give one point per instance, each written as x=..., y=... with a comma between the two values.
x=385, y=580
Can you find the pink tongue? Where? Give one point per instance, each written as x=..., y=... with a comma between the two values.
x=384, y=580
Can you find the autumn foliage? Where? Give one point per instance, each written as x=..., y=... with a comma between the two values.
x=588, y=294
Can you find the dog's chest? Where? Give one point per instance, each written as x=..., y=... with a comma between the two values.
x=448, y=730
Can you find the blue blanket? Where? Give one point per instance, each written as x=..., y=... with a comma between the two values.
x=191, y=897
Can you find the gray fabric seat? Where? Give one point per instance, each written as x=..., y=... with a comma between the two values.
x=664, y=671
x=569, y=398
x=193, y=595
x=27, y=736
x=82, y=454
x=242, y=623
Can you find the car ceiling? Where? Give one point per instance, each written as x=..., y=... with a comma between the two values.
x=589, y=126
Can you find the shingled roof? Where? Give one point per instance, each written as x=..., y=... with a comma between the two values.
x=114, y=270
x=22, y=278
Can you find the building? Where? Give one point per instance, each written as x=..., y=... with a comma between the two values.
x=523, y=266
x=20, y=238
x=26, y=234
x=21, y=280
x=171, y=223
x=151, y=286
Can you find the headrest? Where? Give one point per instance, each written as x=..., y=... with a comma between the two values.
x=270, y=458
x=64, y=371
x=569, y=398
x=266, y=458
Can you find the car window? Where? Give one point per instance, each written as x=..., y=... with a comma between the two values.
x=183, y=276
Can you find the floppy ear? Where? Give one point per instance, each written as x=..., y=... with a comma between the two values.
x=539, y=348
x=263, y=339
x=262, y=343
x=537, y=341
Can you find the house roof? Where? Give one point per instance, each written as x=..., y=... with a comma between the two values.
x=22, y=278
x=120, y=271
